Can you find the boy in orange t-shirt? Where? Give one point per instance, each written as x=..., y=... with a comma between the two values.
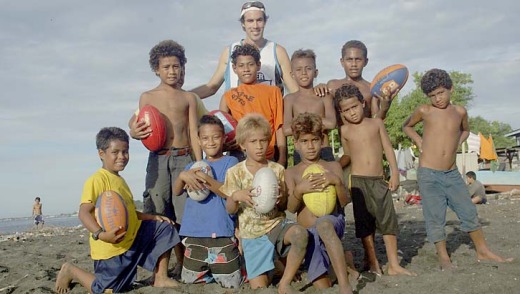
x=252, y=97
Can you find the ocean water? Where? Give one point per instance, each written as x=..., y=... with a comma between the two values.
x=23, y=224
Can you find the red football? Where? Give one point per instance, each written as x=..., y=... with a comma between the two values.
x=153, y=117
x=389, y=80
x=111, y=212
x=230, y=124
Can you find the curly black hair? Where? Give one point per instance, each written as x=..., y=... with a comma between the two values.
x=307, y=123
x=209, y=119
x=245, y=50
x=345, y=92
x=166, y=48
x=354, y=44
x=435, y=78
x=109, y=134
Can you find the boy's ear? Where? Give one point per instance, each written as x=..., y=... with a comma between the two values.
x=101, y=154
x=234, y=66
x=259, y=64
x=316, y=73
x=366, y=62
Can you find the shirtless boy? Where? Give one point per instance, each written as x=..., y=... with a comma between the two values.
x=37, y=213
x=440, y=183
x=365, y=140
x=179, y=109
x=324, y=247
x=303, y=70
x=354, y=58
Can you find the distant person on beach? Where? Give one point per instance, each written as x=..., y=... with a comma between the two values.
x=37, y=213
x=275, y=69
x=304, y=71
x=365, y=140
x=211, y=250
x=476, y=189
x=147, y=241
x=440, y=183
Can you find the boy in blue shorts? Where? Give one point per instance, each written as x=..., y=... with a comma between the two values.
x=265, y=236
x=147, y=241
x=324, y=247
x=440, y=183
x=211, y=252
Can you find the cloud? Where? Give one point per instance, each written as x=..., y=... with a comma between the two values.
x=70, y=68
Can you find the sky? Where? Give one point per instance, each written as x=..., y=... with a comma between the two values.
x=69, y=68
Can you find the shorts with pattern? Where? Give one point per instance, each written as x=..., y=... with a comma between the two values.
x=211, y=259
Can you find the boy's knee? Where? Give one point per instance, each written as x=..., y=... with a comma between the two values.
x=299, y=236
x=326, y=230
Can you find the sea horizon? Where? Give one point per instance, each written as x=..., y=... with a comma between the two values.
x=17, y=225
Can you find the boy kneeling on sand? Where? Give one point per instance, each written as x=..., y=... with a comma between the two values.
x=147, y=241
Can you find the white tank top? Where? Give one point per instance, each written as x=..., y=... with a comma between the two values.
x=269, y=73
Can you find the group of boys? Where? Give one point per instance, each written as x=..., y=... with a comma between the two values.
x=224, y=231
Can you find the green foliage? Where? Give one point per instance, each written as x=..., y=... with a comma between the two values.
x=494, y=128
x=403, y=107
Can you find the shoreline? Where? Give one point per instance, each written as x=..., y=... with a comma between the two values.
x=30, y=263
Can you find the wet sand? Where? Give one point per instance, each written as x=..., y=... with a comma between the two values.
x=29, y=262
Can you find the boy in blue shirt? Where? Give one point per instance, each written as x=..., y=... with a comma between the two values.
x=211, y=251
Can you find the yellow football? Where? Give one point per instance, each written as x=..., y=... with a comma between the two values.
x=319, y=203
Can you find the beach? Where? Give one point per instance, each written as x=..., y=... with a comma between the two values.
x=30, y=261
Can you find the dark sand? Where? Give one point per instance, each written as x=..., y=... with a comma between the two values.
x=30, y=263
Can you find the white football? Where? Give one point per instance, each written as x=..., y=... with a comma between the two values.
x=201, y=194
x=265, y=187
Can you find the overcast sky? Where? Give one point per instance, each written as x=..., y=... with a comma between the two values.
x=69, y=68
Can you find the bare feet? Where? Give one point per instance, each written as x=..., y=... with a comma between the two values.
x=165, y=282
x=399, y=271
x=490, y=256
x=283, y=289
x=376, y=270
x=446, y=265
x=64, y=278
x=346, y=290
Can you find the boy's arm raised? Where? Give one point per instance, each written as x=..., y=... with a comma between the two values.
x=287, y=114
x=408, y=126
x=285, y=65
x=390, y=156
